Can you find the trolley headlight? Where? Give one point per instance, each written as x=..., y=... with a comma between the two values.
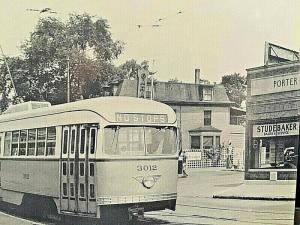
x=148, y=182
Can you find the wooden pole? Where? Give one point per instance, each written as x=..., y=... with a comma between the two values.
x=68, y=79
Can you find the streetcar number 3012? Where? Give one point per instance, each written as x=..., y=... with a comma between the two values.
x=146, y=167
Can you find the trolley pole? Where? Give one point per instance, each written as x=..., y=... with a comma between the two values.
x=7, y=67
x=68, y=79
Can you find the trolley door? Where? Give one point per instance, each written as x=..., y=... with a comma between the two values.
x=77, y=191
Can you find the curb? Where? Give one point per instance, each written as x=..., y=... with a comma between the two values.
x=255, y=198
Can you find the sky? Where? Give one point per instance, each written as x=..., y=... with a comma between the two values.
x=219, y=37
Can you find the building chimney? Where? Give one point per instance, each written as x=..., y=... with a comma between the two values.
x=197, y=76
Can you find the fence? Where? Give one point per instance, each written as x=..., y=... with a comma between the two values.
x=201, y=158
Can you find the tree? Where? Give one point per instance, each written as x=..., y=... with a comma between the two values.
x=235, y=86
x=129, y=69
x=5, y=88
x=83, y=40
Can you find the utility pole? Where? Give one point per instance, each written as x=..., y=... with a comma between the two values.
x=7, y=67
x=68, y=79
x=152, y=81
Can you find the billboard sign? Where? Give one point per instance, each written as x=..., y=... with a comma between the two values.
x=276, y=54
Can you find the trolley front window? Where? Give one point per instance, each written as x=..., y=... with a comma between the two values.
x=139, y=141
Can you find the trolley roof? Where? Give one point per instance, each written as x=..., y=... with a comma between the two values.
x=106, y=107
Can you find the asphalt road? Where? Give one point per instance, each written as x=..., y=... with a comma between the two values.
x=195, y=205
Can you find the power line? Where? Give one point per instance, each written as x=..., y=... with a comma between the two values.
x=157, y=23
x=44, y=10
x=169, y=16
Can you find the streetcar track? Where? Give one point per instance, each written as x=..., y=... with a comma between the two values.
x=216, y=218
x=195, y=216
x=235, y=210
x=150, y=219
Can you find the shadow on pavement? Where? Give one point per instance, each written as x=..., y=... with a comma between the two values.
x=153, y=221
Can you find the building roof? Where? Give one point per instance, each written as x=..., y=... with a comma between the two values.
x=238, y=110
x=274, y=66
x=205, y=129
x=127, y=88
x=177, y=92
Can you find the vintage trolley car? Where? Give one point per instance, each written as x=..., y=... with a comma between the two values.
x=96, y=157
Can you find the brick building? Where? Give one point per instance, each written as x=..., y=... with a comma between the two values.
x=205, y=115
x=273, y=112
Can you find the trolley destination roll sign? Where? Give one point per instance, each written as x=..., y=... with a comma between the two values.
x=141, y=118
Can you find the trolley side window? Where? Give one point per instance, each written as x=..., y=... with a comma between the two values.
x=15, y=143
x=7, y=143
x=41, y=141
x=51, y=139
x=23, y=142
x=31, y=142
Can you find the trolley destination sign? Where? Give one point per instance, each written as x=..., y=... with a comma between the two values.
x=141, y=118
x=279, y=129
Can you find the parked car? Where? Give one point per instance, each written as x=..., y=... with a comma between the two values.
x=290, y=158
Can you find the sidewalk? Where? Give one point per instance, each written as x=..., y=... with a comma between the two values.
x=261, y=190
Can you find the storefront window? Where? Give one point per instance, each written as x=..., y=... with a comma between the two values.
x=275, y=145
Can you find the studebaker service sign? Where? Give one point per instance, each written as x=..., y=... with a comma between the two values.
x=279, y=129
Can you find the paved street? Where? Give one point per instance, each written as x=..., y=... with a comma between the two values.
x=196, y=206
